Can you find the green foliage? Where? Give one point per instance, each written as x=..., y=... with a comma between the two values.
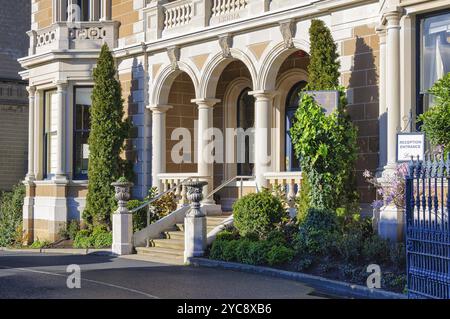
x=158, y=209
x=71, y=230
x=106, y=139
x=323, y=69
x=11, y=205
x=303, y=201
x=37, y=244
x=376, y=250
x=326, y=145
x=320, y=219
x=98, y=238
x=436, y=121
x=227, y=235
x=279, y=255
x=83, y=239
x=101, y=238
x=258, y=213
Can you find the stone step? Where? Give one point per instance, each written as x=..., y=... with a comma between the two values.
x=161, y=258
x=174, y=235
x=168, y=243
x=159, y=251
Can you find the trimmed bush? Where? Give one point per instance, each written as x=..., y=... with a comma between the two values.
x=229, y=252
x=101, y=238
x=11, y=206
x=279, y=255
x=376, y=250
x=258, y=214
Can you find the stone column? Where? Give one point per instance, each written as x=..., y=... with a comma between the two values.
x=122, y=222
x=382, y=158
x=32, y=101
x=61, y=95
x=105, y=10
x=205, y=160
x=158, y=142
x=194, y=223
x=392, y=85
x=391, y=218
x=262, y=157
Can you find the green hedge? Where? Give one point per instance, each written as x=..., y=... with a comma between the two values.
x=257, y=214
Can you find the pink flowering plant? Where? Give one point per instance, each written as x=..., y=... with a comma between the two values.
x=392, y=190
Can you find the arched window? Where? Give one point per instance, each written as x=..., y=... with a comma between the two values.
x=292, y=102
x=245, y=120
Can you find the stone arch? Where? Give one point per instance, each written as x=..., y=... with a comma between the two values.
x=273, y=60
x=217, y=65
x=165, y=79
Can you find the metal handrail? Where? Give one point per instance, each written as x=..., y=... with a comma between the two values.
x=229, y=181
x=154, y=199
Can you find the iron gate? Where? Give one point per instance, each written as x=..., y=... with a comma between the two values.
x=428, y=228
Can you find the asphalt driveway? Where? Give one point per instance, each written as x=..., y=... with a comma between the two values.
x=25, y=275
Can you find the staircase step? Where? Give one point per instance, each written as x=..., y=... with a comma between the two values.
x=169, y=243
x=174, y=235
x=161, y=258
x=154, y=251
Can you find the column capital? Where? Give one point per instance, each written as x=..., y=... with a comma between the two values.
x=205, y=103
x=159, y=109
x=61, y=85
x=262, y=94
x=31, y=89
x=391, y=17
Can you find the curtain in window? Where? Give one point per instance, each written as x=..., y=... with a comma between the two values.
x=435, y=52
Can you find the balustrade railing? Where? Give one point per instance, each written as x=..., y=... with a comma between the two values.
x=178, y=13
x=82, y=35
x=287, y=184
x=223, y=7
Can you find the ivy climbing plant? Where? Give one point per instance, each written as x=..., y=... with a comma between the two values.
x=325, y=144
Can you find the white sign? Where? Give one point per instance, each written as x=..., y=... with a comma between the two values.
x=86, y=151
x=410, y=144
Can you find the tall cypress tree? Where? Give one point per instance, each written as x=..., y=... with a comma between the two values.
x=323, y=68
x=326, y=145
x=106, y=140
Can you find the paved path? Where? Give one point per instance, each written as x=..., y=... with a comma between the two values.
x=34, y=275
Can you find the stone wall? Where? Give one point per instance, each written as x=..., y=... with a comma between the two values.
x=361, y=81
x=41, y=13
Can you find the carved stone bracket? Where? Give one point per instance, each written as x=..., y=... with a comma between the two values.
x=288, y=30
x=226, y=42
x=174, y=56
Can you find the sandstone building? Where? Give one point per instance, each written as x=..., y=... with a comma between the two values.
x=197, y=64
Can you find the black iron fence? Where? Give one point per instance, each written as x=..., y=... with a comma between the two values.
x=428, y=228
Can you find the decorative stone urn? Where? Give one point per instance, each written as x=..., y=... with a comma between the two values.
x=122, y=220
x=194, y=222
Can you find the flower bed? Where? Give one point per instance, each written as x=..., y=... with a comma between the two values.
x=325, y=243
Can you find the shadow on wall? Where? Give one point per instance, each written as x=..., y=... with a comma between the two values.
x=364, y=110
x=130, y=90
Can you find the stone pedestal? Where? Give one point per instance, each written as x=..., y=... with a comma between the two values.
x=122, y=221
x=391, y=223
x=195, y=223
x=122, y=234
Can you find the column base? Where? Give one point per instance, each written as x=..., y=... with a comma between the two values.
x=195, y=237
x=391, y=223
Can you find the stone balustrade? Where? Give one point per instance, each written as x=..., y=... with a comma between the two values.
x=178, y=13
x=289, y=184
x=73, y=36
x=170, y=180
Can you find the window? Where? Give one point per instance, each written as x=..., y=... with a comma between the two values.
x=245, y=120
x=293, y=100
x=82, y=126
x=434, y=54
x=82, y=10
x=50, y=133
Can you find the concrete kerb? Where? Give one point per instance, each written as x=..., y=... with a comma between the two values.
x=332, y=286
x=66, y=251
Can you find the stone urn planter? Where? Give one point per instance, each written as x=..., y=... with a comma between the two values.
x=194, y=222
x=122, y=220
